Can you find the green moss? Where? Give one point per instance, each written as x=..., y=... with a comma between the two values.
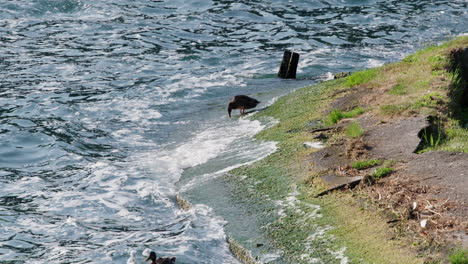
x=297, y=231
x=354, y=130
x=365, y=164
x=297, y=118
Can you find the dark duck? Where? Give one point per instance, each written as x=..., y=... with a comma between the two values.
x=164, y=260
x=242, y=102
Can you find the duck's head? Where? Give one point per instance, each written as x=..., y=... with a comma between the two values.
x=152, y=257
x=230, y=107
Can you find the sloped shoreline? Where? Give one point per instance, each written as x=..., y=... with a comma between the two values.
x=408, y=215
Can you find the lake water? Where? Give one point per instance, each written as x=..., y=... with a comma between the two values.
x=105, y=104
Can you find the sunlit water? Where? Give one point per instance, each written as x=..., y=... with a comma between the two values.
x=104, y=104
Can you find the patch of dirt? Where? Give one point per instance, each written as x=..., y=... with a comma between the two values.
x=357, y=149
x=348, y=101
x=446, y=170
x=329, y=158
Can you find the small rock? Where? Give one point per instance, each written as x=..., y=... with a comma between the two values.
x=321, y=136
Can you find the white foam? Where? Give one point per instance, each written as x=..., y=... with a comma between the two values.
x=373, y=63
x=70, y=221
x=204, y=146
x=319, y=232
x=270, y=256
x=260, y=152
x=292, y=203
x=340, y=254
x=199, y=84
x=140, y=111
x=329, y=76
x=310, y=57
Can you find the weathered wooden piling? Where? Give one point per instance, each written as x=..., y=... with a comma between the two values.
x=288, y=66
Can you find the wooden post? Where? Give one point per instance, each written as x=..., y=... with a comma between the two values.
x=288, y=66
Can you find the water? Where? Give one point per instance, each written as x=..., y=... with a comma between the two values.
x=104, y=104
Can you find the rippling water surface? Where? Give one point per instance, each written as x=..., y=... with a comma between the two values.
x=103, y=104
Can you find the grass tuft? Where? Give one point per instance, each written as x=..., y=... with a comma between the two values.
x=431, y=139
x=438, y=62
x=456, y=137
x=429, y=100
x=354, y=130
x=399, y=89
x=393, y=109
x=381, y=172
x=365, y=164
x=460, y=256
x=336, y=115
x=362, y=77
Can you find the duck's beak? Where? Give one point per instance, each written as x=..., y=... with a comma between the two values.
x=148, y=258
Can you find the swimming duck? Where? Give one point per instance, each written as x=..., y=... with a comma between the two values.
x=242, y=102
x=164, y=260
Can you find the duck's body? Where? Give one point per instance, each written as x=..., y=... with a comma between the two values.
x=242, y=102
x=164, y=260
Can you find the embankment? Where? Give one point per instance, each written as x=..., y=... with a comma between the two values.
x=374, y=125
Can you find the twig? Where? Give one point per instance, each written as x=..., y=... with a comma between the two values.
x=444, y=202
x=380, y=196
x=321, y=129
x=432, y=211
